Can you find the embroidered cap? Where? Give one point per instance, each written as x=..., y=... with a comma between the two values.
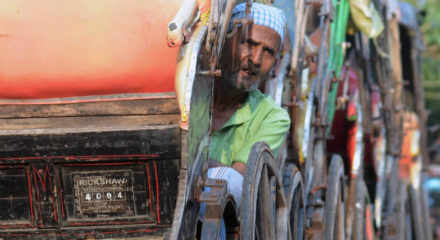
x=262, y=14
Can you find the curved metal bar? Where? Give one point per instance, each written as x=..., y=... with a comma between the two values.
x=186, y=73
x=217, y=199
x=179, y=27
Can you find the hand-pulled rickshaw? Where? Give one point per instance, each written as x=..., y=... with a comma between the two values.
x=104, y=136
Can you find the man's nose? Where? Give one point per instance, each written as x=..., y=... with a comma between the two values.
x=256, y=56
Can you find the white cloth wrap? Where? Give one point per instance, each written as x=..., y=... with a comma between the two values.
x=234, y=181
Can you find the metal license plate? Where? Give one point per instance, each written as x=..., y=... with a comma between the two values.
x=103, y=194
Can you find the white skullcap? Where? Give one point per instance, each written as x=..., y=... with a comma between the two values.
x=262, y=14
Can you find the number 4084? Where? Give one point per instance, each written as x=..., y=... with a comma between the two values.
x=104, y=196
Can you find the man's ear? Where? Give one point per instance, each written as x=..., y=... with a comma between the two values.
x=277, y=60
x=275, y=66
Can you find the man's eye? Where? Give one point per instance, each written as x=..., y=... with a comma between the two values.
x=250, y=42
x=269, y=51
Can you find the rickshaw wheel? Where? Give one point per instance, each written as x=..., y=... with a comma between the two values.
x=359, y=226
x=416, y=214
x=425, y=212
x=294, y=189
x=334, y=218
x=404, y=218
x=264, y=210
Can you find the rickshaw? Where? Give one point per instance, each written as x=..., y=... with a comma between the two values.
x=97, y=144
x=104, y=135
x=392, y=108
x=90, y=142
x=377, y=203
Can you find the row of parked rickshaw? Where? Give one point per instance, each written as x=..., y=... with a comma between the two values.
x=350, y=168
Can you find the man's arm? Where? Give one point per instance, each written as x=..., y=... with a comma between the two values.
x=272, y=131
x=239, y=167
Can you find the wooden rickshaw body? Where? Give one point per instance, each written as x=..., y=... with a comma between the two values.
x=89, y=122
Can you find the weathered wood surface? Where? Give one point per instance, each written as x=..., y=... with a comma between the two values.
x=98, y=108
x=45, y=147
x=146, y=143
x=62, y=125
x=137, y=232
x=45, y=196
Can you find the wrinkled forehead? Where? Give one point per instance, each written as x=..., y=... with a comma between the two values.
x=264, y=35
x=263, y=15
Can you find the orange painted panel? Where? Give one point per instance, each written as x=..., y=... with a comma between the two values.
x=65, y=48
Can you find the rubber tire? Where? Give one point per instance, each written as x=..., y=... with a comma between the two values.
x=426, y=217
x=359, y=226
x=276, y=212
x=334, y=215
x=294, y=189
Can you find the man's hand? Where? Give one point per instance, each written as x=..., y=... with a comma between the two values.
x=239, y=167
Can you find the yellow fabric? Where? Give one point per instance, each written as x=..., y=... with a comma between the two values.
x=366, y=17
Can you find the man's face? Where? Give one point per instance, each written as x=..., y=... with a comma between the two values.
x=245, y=65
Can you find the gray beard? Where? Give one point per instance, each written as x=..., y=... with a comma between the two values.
x=233, y=81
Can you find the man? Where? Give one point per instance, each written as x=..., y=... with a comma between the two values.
x=242, y=115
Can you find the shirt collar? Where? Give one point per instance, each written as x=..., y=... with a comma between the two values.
x=245, y=112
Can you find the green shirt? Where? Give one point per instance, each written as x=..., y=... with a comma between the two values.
x=258, y=119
